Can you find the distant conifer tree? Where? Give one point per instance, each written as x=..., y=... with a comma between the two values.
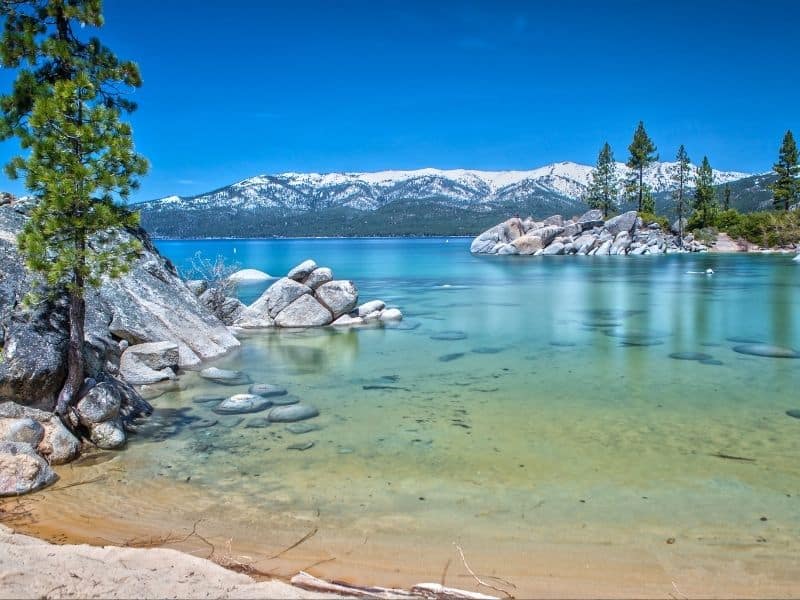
x=642, y=154
x=726, y=195
x=704, y=201
x=681, y=179
x=65, y=107
x=603, y=190
x=786, y=190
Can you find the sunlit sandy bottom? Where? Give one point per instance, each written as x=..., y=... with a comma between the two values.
x=531, y=416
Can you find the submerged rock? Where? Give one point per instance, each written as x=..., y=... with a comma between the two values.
x=225, y=376
x=295, y=412
x=699, y=356
x=240, y=404
x=22, y=470
x=267, y=390
x=766, y=350
x=794, y=413
x=300, y=428
x=449, y=336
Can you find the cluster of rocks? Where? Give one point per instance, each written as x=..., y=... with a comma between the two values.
x=283, y=407
x=588, y=234
x=140, y=328
x=309, y=296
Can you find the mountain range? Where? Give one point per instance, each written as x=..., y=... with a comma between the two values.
x=418, y=202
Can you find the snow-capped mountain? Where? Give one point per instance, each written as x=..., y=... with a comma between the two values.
x=370, y=191
x=419, y=202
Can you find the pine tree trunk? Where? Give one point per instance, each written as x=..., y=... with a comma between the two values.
x=641, y=179
x=75, y=362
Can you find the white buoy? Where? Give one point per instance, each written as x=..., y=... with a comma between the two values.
x=709, y=271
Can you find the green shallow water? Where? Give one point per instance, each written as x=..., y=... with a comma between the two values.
x=558, y=416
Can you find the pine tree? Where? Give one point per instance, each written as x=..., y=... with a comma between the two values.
x=704, y=202
x=786, y=190
x=603, y=190
x=681, y=178
x=726, y=195
x=65, y=107
x=642, y=153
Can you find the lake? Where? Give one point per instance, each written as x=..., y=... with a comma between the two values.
x=577, y=426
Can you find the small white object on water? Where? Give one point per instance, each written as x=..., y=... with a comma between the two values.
x=796, y=258
x=709, y=271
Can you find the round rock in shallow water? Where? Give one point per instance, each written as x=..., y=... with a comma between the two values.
x=794, y=412
x=284, y=400
x=242, y=403
x=690, y=356
x=295, y=412
x=267, y=390
x=258, y=423
x=207, y=398
x=712, y=361
x=301, y=428
x=449, y=336
x=487, y=350
x=766, y=350
x=224, y=376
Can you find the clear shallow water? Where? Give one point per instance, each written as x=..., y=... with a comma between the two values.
x=548, y=432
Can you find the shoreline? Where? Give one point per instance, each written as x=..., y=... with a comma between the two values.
x=34, y=568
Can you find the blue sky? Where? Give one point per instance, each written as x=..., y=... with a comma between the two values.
x=243, y=87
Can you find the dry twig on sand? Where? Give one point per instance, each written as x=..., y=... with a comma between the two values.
x=478, y=579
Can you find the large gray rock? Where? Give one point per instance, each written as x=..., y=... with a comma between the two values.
x=527, y=244
x=23, y=429
x=318, y=276
x=339, y=297
x=621, y=243
x=301, y=271
x=624, y=222
x=108, y=435
x=504, y=233
x=101, y=403
x=304, y=312
x=556, y=220
x=556, y=248
x=281, y=294
x=369, y=308
x=147, y=363
x=590, y=219
x=547, y=234
x=585, y=243
x=22, y=470
x=225, y=308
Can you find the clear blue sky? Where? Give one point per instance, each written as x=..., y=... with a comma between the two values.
x=241, y=87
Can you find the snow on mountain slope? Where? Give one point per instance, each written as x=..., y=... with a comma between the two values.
x=370, y=191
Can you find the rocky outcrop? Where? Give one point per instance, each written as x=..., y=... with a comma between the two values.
x=149, y=304
x=588, y=234
x=309, y=296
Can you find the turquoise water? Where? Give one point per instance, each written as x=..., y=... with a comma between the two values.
x=523, y=404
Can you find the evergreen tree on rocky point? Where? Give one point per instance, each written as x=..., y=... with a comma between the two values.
x=681, y=179
x=603, y=189
x=65, y=107
x=642, y=154
x=786, y=190
x=704, y=201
